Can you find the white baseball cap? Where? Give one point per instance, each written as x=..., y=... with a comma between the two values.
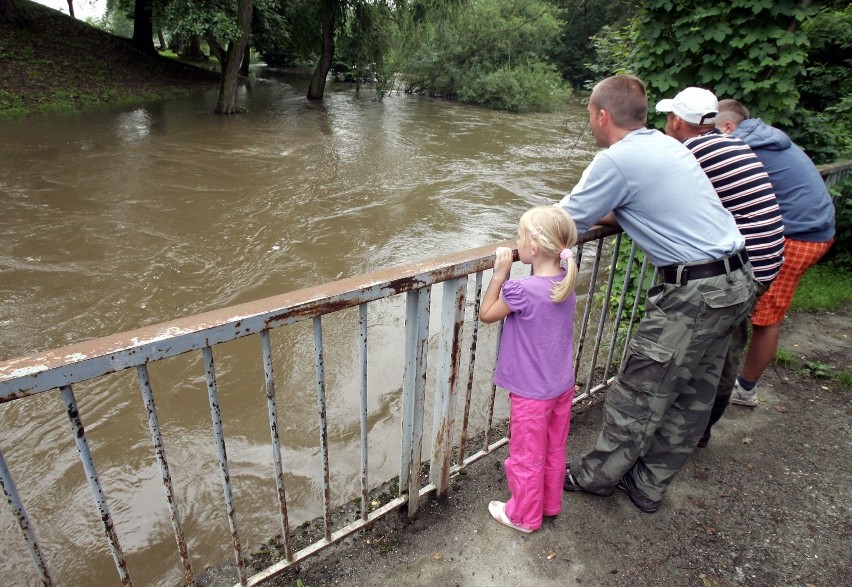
x=695, y=105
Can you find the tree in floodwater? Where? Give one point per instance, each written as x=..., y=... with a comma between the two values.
x=225, y=25
x=364, y=45
x=331, y=10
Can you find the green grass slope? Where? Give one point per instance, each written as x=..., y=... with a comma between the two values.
x=49, y=61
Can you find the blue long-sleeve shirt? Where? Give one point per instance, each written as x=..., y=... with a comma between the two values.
x=660, y=196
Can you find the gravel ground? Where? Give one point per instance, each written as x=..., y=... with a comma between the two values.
x=765, y=504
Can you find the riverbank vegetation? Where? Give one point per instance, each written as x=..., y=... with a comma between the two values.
x=49, y=61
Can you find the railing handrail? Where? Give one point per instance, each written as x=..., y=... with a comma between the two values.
x=78, y=362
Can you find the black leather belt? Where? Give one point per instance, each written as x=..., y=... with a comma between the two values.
x=668, y=274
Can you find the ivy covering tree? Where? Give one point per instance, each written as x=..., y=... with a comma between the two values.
x=749, y=50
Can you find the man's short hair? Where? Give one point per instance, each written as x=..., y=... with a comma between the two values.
x=624, y=98
x=731, y=110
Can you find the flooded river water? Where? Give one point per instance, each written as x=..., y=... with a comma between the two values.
x=128, y=216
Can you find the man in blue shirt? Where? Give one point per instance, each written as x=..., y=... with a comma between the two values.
x=659, y=404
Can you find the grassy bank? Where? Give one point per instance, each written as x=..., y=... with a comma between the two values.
x=824, y=287
x=50, y=61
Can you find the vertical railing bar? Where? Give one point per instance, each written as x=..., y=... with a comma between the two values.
x=619, y=311
x=365, y=485
x=635, y=310
x=604, y=311
x=486, y=439
x=323, y=422
x=587, y=311
x=11, y=492
x=94, y=482
x=408, y=385
x=165, y=475
x=471, y=363
x=219, y=437
x=272, y=411
x=423, y=313
x=407, y=417
x=446, y=381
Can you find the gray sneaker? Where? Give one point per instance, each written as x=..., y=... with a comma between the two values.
x=743, y=397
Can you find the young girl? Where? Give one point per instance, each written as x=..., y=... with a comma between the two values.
x=535, y=363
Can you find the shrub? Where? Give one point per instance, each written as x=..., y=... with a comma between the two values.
x=535, y=88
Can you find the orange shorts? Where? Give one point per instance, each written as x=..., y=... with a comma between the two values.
x=799, y=256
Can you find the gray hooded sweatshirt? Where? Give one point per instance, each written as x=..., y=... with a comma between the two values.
x=806, y=207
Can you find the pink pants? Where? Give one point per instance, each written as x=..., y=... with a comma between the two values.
x=535, y=469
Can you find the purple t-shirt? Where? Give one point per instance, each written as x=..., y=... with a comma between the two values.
x=536, y=349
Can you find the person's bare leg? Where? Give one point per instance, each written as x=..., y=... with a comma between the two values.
x=761, y=351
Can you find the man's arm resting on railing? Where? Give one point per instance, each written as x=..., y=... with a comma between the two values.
x=608, y=220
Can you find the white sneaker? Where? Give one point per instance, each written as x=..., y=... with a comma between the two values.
x=743, y=397
x=497, y=509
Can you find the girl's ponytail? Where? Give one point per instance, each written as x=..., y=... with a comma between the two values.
x=563, y=289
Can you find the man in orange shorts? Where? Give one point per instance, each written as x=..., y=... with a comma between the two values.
x=807, y=213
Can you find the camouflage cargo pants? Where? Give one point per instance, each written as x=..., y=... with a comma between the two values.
x=659, y=404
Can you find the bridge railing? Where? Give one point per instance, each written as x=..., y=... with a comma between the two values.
x=599, y=343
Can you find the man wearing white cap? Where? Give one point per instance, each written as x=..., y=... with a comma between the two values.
x=743, y=186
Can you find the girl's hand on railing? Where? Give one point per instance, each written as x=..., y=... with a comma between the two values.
x=503, y=262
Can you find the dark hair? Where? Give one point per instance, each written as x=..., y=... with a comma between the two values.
x=624, y=98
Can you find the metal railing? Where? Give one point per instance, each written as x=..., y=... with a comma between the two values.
x=62, y=369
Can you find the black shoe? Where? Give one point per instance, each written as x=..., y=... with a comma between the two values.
x=703, y=443
x=640, y=501
x=571, y=483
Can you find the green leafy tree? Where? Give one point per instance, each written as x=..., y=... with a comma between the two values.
x=583, y=21
x=491, y=52
x=365, y=42
x=749, y=50
x=225, y=25
x=823, y=122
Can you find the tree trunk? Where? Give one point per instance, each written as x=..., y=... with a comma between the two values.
x=71, y=8
x=317, y=87
x=233, y=58
x=244, y=68
x=143, y=28
x=161, y=39
x=8, y=12
x=191, y=50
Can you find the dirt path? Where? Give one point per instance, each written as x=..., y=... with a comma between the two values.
x=766, y=504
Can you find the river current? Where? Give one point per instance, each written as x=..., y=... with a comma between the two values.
x=125, y=216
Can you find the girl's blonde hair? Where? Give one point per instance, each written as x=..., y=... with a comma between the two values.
x=554, y=231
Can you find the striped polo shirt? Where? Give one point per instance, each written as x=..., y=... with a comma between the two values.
x=744, y=188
